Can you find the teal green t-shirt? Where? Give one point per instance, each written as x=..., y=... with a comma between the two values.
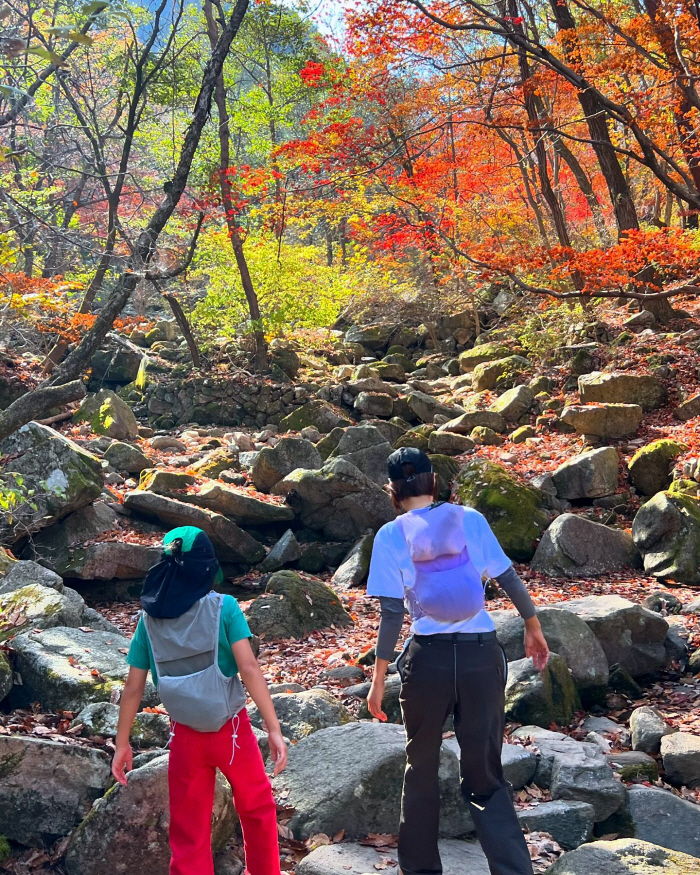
x=233, y=627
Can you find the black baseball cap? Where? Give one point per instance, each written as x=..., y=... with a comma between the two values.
x=408, y=456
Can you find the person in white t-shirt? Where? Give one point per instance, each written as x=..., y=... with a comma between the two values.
x=431, y=561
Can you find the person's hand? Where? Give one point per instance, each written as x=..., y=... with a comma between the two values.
x=374, y=699
x=278, y=750
x=535, y=644
x=122, y=762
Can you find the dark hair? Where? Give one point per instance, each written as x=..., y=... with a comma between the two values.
x=412, y=486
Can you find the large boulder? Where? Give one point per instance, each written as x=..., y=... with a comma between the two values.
x=680, y=752
x=300, y=714
x=574, y=546
x=127, y=458
x=53, y=547
x=590, y=475
x=294, y=606
x=566, y=635
x=127, y=830
x=541, y=697
x=569, y=823
x=513, y=510
x=232, y=544
x=374, y=404
x=317, y=413
x=648, y=727
x=427, y=407
x=574, y=770
x=367, y=449
x=350, y=777
x=355, y=566
x=47, y=788
x=338, y=500
x=349, y=858
x=666, y=531
x=117, y=364
x=242, y=507
x=499, y=374
x=107, y=414
x=70, y=668
x=449, y=443
x=150, y=729
x=642, y=389
x=623, y=857
x=109, y=560
x=610, y=421
x=650, y=467
x=631, y=636
x=285, y=357
x=665, y=819
x=285, y=552
x=54, y=476
x=465, y=423
x=485, y=352
x=24, y=572
x=514, y=403
x=373, y=337
x=38, y=607
x=274, y=463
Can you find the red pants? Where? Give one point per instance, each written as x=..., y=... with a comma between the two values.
x=194, y=759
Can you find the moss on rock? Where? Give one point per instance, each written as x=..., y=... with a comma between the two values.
x=650, y=467
x=513, y=509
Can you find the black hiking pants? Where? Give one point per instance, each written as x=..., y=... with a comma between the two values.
x=443, y=675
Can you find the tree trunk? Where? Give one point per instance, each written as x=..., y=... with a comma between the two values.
x=227, y=202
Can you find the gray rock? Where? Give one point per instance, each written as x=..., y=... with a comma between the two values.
x=372, y=337
x=6, y=679
x=292, y=607
x=650, y=467
x=629, y=634
x=338, y=500
x=604, y=420
x=662, y=818
x=390, y=700
x=285, y=552
x=622, y=857
x=634, y=765
x=353, y=859
x=467, y=422
x=599, y=388
x=351, y=675
x=240, y=506
x=63, y=477
x=350, y=778
x=110, y=560
x=56, y=667
x=127, y=830
x=569, y=823
x=126, y=458
x=499, y=374
x=300, y=714
x=541, y=698
x=519, y=765
x=367, y=449
x=648, y=727
x=119, y=363
x=426, y=407
x=28, y=573
x=590, y=475
x=38, y=607
x=100, y=718
x=574, y=546
x=374, y=404
x=317, y=413
x=689, y=409
x=692, y=607
x=368, y=382
x=666, y=531
x=355, y=567
x=567, y=635
x=108, y=414
x=447, y=443
x=47, y=788
x=94, y=620
x=514, y=403
x=232, y=543
x=680, y=753
x=274, y=463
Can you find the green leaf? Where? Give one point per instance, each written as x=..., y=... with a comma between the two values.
x=70, y=33
x=47, y=55
x=11, y=93
x=94, y=8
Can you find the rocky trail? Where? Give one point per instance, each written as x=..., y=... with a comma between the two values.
x=584, y=459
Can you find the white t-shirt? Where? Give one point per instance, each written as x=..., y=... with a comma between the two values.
x=392, y=572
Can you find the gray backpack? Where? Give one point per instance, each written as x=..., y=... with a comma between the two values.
x=191, y=685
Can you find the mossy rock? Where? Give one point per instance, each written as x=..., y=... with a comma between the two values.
x=216, y=462
x=541, y=698
x=513, y=510
x=293, y=607
x=685, y=487
x=5, y=850
x=109, y=415
x=317, y=413
x=499, y=374
x=165, y=482
x=38, y=607
x=482, y=435
x=418, y=437
x=446, y=469
x=666, y=531
x=520, y=435
x=650, y=467
x=486, y=352
x=5, y=678
x=329, y=442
